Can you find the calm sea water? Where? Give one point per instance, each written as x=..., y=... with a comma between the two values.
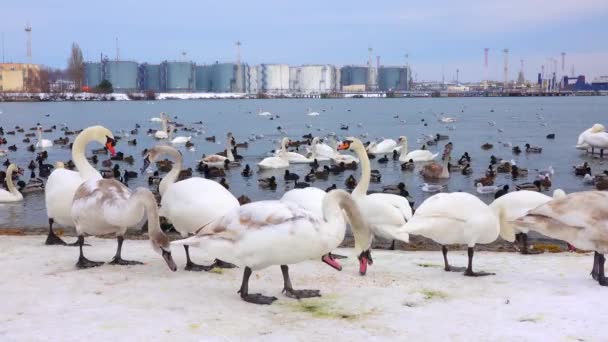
x=521, y=120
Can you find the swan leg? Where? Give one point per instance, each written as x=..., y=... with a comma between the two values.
x=469, y=272
x=600, y=264
x=118, y=260
x=447, y=267
x=524, y=245
x=297, y=294
x=256, y=298
x=392, y=247
x=338, y=256
x=190, y=266
x=52, y=238
x=223, y=264
x=595, y=270
x=82, y=261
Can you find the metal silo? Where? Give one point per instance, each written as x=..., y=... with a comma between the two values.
x=252, y=76
x=203, y=78
x=273, y=78
x=313, y=79
x=92, y=74
x=178, y=76
x=392, y=78
x=223, y=77
x=122, y=75
x=353, y=75
x=150, y=77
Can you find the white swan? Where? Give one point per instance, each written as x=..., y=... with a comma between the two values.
x=447, y=119
x=320, y=151
x=261, y=113
x=160, y=118
x=42, y=143
x=432, y=187
x=62, y=183
x=455, y=218
x=416, y=155
x=386, y=213
x=218, y=160
x=261, y=234
x=12, y=195
x=596, y=128
x=515, y=205
x=341, y=158
x=578, y=218
x=178, y=139
x=311, y=113
x=292, y=157
x=278, y=161
x=386, y=146
x=163, y=132
x=106, y=206
x=191, y=203
x=596, y=140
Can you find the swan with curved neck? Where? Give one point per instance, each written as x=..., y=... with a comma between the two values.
x=191, y=203
x=279, y=161
x=416, y=155
x=163, y=132
x=170, y=178
x=218, y=160
x=386, y=213
x=106, y=206
x=42, y=143
x=292, y=157
x=62, y=183
x=265, y=233
x=12, y=195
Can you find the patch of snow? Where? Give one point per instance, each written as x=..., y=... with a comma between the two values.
x=405, y=296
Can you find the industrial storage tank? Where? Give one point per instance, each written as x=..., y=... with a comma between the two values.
x=203, y=78
x=252, y=86
x=353, y=75
x=122, y=75
x=93, y=74
x=179, y=76
x=392, y=78
x=314, y=79
x=273, y=78
x=223, y=77
x=150, y=77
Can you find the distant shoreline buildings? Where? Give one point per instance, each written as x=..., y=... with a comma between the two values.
x=271, y=79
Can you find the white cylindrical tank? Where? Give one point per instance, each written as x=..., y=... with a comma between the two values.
x=273, y=78
x=315, y=79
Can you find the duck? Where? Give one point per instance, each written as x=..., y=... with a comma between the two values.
x=505, y=166
x=545, y=181
x=516, y=172
x=576, y=219
x=350, y=182
x=331, y=187
x=408, y=165
x=62, y=184
x=386, y=213
x=398, y=189
x=486, y=189
x=291, y=235
x=12, y=195
x=416, y=155
x=60, y=141
x=322, y=173
x=455, y=218
x=218, y=160
x=104, y=206
x=487, y=146
x=383, y=160
x=42, y=143
x=375, y=176
x=581, y=170
x=601, y=182
x=310, y=176
x=132, y=142
x=534, y=186
x=533, y=149
x=502, y=192
x=551, y=136
x=268, y=183
x=288, y=176
x=514, y=205
x=455, y=167
x=224, y=183
x=301, y=185
x=247, y=171
x=182, y=204
x=516, y=150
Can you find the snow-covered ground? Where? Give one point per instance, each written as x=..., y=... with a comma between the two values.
x=194, y=96
x=405, y=296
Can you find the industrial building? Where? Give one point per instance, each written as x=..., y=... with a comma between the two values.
x=203, y=78
x=393, y=78
x=122, y=74
x=178, y=76
x=149, y=77
x=314, y=79
x=353, y=78
x=93, y=74
x=269, y=78
x=19, y=77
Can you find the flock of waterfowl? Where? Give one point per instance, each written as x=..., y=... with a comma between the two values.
x=306, y=222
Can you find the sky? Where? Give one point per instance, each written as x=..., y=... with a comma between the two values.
x=439, y=36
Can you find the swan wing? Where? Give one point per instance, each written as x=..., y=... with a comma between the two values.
x=385, y=215
x=310, y=198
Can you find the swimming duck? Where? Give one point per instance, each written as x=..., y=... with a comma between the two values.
x=383, y=160
x=516, y=171
x=408, y=166
x=516, y=150
x=467, y=170
x=581, y=170
x=350, y=182
x=487, y=146
x=375, y=176
x=288, y=176
x=247, y=171
x=534, y=186
x=533, y=149
x=224, y=183
x=268, y=183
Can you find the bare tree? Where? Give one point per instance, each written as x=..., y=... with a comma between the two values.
x=76, y=66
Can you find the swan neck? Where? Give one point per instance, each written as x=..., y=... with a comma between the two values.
x=83, y=166
x=39, y=134
x=361, y=188
x=143, y=197
x=172, y=175
x=404, y=147
x=229, y=153
x=9, y=182
x=339, y=200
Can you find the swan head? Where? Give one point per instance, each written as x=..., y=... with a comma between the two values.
x=351, y=143
x=402, y=139
x=597, y=128
x=12, y=168
x=160, y=244
x=153, y=154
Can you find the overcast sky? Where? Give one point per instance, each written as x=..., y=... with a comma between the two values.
x=439, y=35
